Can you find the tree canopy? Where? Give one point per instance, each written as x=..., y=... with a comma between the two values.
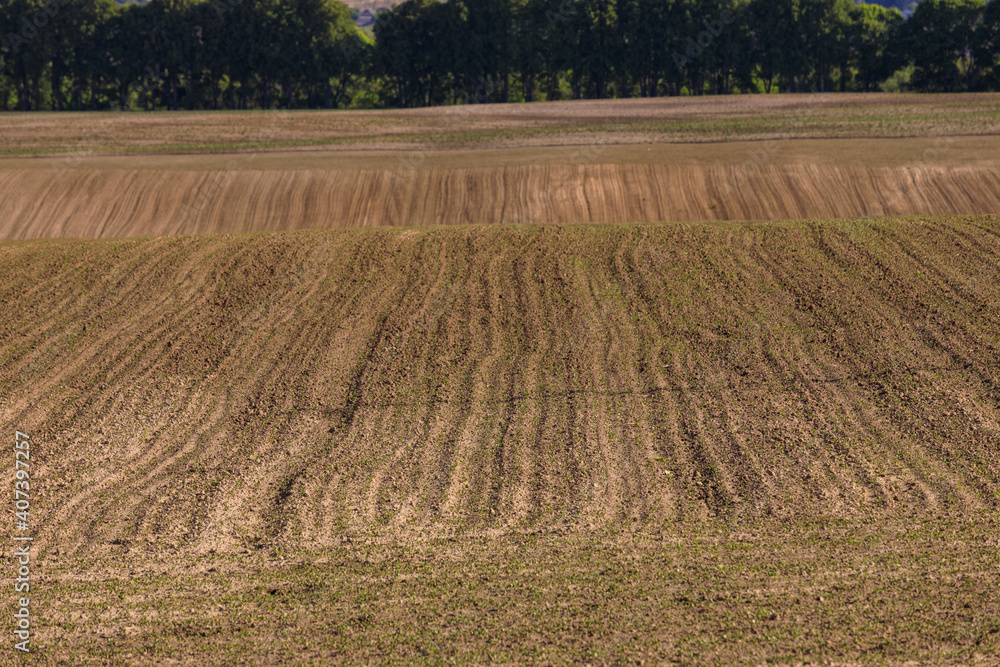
x=211, y=54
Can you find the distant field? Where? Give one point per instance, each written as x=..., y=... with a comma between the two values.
x=643, y=160
x=691, y=442
x=158, y=195
x=631, y=121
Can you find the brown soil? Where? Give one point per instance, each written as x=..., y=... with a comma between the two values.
x=160, y=195
x=684, y=442
x=629, y=121
x=413, y=405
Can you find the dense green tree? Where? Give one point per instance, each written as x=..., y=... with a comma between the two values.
x=777, y=50
x=596, y=47
x=939, y=42
x=645, y=47
x=416, y=46
x=986, y=46
x=556, y=43
x=529, y=43
x=174, y=47
x=871, y=36
x=97, y=54
x=823, y=28
x=28, y=44
x=90, y=63
x=719, y=24
x=488, y=48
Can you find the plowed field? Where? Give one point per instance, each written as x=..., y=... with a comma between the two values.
x=760, y=157
x=578, y=122
x=709, y=442
x=706, y=381
x=160, y=195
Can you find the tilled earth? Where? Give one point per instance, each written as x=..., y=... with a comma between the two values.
x=709, y=118
x=708, y=442
x=158, y=195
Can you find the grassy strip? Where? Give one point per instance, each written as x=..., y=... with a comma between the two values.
x=813, y=124
x=798, y=591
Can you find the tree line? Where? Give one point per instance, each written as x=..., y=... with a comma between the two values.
x=239, y=54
